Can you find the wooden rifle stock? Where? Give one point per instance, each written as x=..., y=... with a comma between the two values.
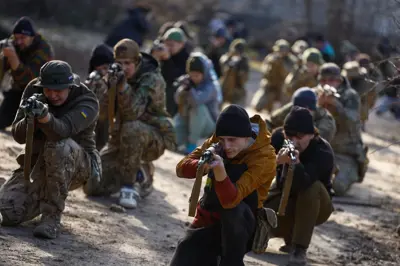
x=28, y=149
x=194, y=196
x=287, y=172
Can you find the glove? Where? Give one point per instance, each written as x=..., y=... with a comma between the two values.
x=116, y=74
x=40, y=110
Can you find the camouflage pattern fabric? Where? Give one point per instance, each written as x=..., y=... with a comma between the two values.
x=61, y=167
x=347, y=140
x=298, y=78
x=235, y=73
x=99, y=87
x=135, y=144
x=274, y=69
x=323, y=120
x=142, y=129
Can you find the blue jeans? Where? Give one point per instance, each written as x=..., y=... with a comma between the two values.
x=197, y=125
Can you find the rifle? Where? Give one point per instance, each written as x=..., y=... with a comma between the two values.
x=206, y=157
x=27, y=107
x=112, y=93
x=287, y=172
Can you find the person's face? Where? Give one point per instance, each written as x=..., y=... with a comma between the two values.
x=312, y=68
x=196, y=77
x=22, y=41
x=300, y=141
x=174, y=47
x=102, y=69
x=331, y=81
x=56, y=97
x=128, y=66
x=233, y=145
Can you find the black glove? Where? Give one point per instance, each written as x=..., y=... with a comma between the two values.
x=34, y=107
x=116, y=74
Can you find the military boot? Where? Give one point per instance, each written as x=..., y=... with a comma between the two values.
x=266, y=220
x=49, y=226
x=298, y=257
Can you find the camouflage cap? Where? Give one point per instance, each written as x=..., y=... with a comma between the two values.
x=175, y=34
x=238, y=45
x=353, y=69
x=299, y=46
x=56, y=75
x=127, y=49
x=281, y=45
x=312, y=55
x=329, y=70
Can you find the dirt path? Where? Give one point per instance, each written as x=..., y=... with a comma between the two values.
x=94, y=235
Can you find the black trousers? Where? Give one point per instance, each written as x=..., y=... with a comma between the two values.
x=230, y=240
x=9, y=107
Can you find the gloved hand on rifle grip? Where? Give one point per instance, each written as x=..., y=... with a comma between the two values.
x=116, y=74
x=34, y=107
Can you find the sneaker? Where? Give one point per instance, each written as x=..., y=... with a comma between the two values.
x=128, y=198
x=49, y=226
x=298, y=257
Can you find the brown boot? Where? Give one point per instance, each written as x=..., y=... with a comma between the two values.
x=49, y=226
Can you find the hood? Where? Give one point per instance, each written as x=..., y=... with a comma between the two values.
x=147, y=64
x=208, y=67
x=101, y=54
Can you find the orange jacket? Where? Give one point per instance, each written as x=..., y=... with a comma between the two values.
x=260, y=159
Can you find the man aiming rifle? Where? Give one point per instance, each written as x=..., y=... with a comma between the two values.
x=306, y=185
x=240, y=170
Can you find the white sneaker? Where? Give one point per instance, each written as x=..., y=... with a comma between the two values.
x=128, y=198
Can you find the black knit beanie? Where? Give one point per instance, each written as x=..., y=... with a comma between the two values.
x=233, y=121
x=24, y=26
x=102, y=54
x=298, y=121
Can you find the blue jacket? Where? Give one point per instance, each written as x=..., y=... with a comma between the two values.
x=208, y=92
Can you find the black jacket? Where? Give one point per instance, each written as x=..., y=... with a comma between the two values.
x=316, y=163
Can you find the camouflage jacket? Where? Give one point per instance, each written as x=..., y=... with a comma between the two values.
x=346, y=111
x=144, y=99
x=31, y=60
x=298, y=78
x=275, y=69
x=75, y=119
x=323, y=120
x=235, y=72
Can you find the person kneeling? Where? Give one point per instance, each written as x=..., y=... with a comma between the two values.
x=63, y=149
x=238, y=181
x=198, y=102
x=309, y=201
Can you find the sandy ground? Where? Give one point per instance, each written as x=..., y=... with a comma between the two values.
x=94, y=235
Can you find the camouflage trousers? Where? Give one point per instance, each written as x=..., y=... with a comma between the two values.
x=131, y=149
x=235, y=96
x=347, y=175
x=265, y=98
x=62, y=166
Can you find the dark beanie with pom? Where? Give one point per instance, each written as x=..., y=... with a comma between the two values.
x=24, y=26
x=298, y=121
x=234, y=122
